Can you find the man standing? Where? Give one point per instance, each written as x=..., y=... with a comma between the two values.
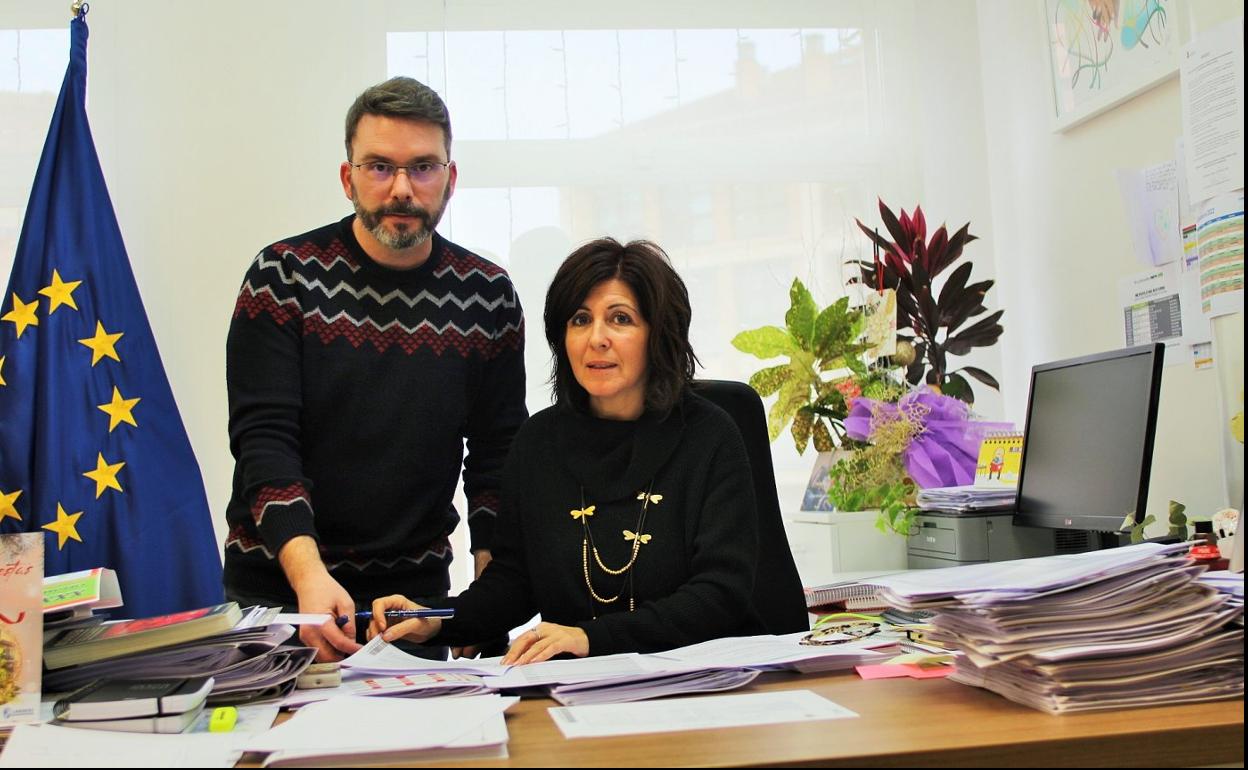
x=360, y=358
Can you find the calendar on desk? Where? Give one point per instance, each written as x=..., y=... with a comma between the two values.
x=1000, y=457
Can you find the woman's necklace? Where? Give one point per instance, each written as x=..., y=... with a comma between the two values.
x=638, y=538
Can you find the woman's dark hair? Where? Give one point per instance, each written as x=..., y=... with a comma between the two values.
x=663, y=302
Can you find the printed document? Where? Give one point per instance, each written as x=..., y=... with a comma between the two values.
x=675, y=714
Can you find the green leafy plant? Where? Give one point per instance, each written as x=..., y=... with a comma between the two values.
x=855, y=485
x=1176, y=518
x=814, y=389
x=936, y=322
x=824, y=365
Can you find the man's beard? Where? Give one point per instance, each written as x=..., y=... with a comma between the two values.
x=403, y=237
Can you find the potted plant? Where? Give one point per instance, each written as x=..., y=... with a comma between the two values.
x=935, y=323
x=815, y=391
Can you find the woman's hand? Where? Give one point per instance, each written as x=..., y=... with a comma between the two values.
x=418, y=630
x=546, y=641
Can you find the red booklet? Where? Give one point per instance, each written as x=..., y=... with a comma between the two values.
x=84, y=645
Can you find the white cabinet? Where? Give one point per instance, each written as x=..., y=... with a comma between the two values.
x=825, y=544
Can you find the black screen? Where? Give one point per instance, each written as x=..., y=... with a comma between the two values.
x=1089, y=440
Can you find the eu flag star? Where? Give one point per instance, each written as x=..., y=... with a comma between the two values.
x=104, y=475
x=60, y=292
x=2, y=382
x=7, y=508
x=102, y=344
x=64, y=526
x=118, y=410
x=22, y=314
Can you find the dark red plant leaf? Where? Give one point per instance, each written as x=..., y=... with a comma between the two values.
x=982, y=376
x=980, y=334
x=953, y=289
x=892, y=225
x=967, y=305
x=954, y=250
x=936, y=247
x=919, y=222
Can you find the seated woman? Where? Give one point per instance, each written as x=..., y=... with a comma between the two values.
x=628, y=518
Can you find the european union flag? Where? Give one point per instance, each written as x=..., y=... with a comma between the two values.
x=92, y=449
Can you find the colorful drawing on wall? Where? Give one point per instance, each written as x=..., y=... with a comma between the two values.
x=1102, y=52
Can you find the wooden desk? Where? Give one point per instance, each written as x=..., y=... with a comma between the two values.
x=903, y=723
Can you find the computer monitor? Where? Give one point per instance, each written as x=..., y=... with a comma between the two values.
x=1088, y=446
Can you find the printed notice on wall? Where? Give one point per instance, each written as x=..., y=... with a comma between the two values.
x=1152, y=310
x=1211, y=77
x=1220, y=243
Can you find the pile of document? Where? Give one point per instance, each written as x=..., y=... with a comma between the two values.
x=714, y=666
x=967, y=499
x=1133, y=626
x=248, y=663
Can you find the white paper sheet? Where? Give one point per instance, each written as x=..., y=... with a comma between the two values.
x=1151, y=197
x=379, y=724
x=381, y=657
x=703, y=713
x=1211, y=77
x=51, y=746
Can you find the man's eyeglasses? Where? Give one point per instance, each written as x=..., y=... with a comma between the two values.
x=421, y=172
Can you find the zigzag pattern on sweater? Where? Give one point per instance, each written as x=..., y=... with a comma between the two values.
x=252, y=302
x=269, y=496
x=330, y=292
x=441, y=551
x=239, y=540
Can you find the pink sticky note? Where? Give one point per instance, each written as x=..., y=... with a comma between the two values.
x=882, y=671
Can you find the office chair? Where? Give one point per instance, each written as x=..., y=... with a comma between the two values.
x=778, y=596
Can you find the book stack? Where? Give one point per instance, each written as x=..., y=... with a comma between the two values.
x=135, y=705
x=242, y=652
x=1124, y=627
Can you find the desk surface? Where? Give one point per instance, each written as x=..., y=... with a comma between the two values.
x=902, y=722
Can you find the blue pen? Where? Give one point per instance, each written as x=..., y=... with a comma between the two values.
x=366, y=615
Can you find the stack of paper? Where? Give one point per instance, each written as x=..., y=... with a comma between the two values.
x=374, y=730
x=966, y=499
x=714, y=666
x=247, y=663
x=1229, y=583
x=1109, y=629
x=405, y=685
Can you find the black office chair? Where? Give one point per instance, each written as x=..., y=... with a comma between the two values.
x=778, y=596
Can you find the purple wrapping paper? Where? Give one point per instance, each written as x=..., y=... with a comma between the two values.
x=944, y=452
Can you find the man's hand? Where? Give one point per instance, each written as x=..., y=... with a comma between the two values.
x=546, y=641
x=418, y=630
x=318, y=592
x=481, y=557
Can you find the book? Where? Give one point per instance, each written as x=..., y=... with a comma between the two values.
x=21, y=626
x=170, y=723
x=843, y=591
x=128, y=698
x=83, y=591
x=1000, y=458
x=84, y=645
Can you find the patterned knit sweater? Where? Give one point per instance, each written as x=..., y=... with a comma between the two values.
x=352, y=389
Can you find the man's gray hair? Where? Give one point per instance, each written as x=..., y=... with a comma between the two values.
x=400, y=97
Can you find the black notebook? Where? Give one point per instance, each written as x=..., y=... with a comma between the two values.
x=132, y=698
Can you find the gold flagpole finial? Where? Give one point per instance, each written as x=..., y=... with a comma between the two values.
x=79, y=8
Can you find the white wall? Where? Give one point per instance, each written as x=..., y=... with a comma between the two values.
x=1063, y=242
